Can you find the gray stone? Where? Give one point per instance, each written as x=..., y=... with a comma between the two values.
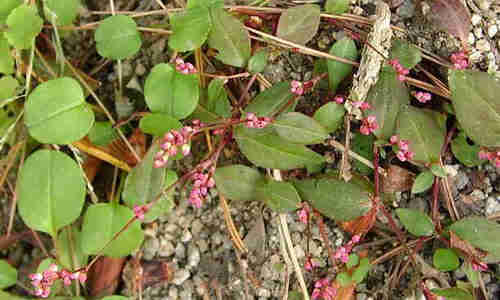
x=483, y=45
x=407, y=9
x=180, y=251
x=475, y=19
x=492, y=205
x=166, y=248
x=261, y=292
x=186, y=236
x=193, y=256
x=483, y=4
x=180, y=276
x=173, y=294
x=461, y=180
x=151, y=247
x=492, y=30
x=361, y=296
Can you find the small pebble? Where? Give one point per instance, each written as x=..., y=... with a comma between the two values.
x=492, y=30
x=475, y=19
x=180, y=276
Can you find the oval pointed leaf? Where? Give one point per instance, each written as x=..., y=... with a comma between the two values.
x=416, y=222
x=281, y=197
x=102, y=133
x=237, y=182
x=330, y=116
x=6, y=7
x=480, y=232
x=8, y=87
x=299, y=24
x=452, y=16
x=423, y=182
x=336, y=199
x=168, y=91
x=337, y=71
x=453, y=293
x=158, y=124
x=270, y=101
x=386, y=98
x=258, y=61
x=218, y=101
x=56, y=112
x=24, y=24
x=65, y=11
x=230, y=38
x=190, y=29
x=337, y=6
x=445, y=260
x=51, y=191
x=425, y=132
x=117, y=37
x=466, y=153
x=70, y=249
x=475, y=98
x=362, y=270
x=6, y=59
x=8, y=274
x=101, y=222
x=299, y=128
x=407, y=54
x=266, y=149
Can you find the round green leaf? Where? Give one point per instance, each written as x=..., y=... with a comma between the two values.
x=299, y=24
x=337, y=6
x=353, y=261
x=330, y=115
x=258, y=61
x=281, y=197
x=6, y=7
x=171, y=92
x=8, y=274
x=362, y=270
x=6, y=59
x=56, y=112
x=217, y=100
x=445, y=260
x=464, y=152
x=453, y=293
x=407, y=54
x=102, y=133
x=190, y=29
x=344, y=279
x=480, y=232
x=8, y=87
x=423, y=182
x=70, y=249
x=65, y=11
x=117, y=37
x=101, y=222
x=237, y=182
x=299, y=128
x=337, y=71
x=51, y=191
x=416, y=222
x=158, y=124
x=24, y=25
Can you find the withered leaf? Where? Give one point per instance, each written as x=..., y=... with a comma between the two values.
x=453, y=17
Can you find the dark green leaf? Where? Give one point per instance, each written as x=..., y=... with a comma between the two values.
x=51, y=191
x=423, y=182
x=266, y=149
x=8, y=275
x=407, y=54
x=362, y=270
x=65, y=11
x=386, y=98
x=445, y=260
x=101, y=222
x=337, y=6
x=230, y=38
x=349, y=202
x=6, y=7
x=281, y=197
x=237, y=182
x=337, y=71
x=270, y=101
x=362, y=145
x=480, y=232
x=437, y=170
x=168, y=91
x=218, y=101
x=330, y=115
x=24, y=25
x=102, y=133
x=299, y=24
x=299, y=128
x=258, y=61
x=475, y=98
x=70, y=249
x=158, y=124
x=190, y=29
x=344, y=279
x=6, y=59
x=465, y=153
x=416, y=222
x=117, y=37
x=453, y=294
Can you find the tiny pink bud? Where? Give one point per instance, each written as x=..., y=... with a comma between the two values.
x=339, y=99
x=394, y=139
x=186, y=148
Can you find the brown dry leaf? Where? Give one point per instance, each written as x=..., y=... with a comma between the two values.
x=91, y=166
x=397, y=180
x=153, y=272
x=344, y=292
x=104, y=276
x=453, y=17
x=361, y=225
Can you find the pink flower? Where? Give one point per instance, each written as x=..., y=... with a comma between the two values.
x=339, y=99
x=175, y=141
x=140, y=211
x=363, y=105
x=343, y=252
x=324, y=290
x=493, y=157
x=303, y=213
x=44, y=281
x=402, y=72
x=297, y=87
x=368, y=125
x=460, y=60
x=394, y=139
x=252, y=121
x=202, y=183
x=310, y=264
x=404, y=153
x=481, y=266
x=184, y=68
x=423, y=97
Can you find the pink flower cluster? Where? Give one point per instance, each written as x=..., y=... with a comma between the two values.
x=343, y=252
x=202, y=182
x=402, y=71
x=481, y=266
x=303, y=213
x=423, y=97
x=460, y=60
x=297, y=87
x=493, y=157
x=44, y=281
x=171, y=142
x=404, y=153
x=184, y=68
x=363, y=105
x=339, y=99
x=140, y=211
x=252, y=121
x=310, y=264
x=324, y=290
x=368, y=125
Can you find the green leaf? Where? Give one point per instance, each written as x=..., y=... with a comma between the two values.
x=337, y=7
x=480, y=232
x=115, y=298
x=237, y=182
x=407, y=54
x=230, y=38
x=350, y=200
x=453, y=294
x=472, y=275
x=362, y=270
x=203, y=114
x=344, y=279
x=8, y=274
x=117, y=37
x=8, y=87
x=258, y=61
x=353, y=261
x=102, y=133
x=145, y=182
x=386, y=98
x=218, y=101
x=56, y=112
x=330, y=115
x=51, y=191
x=8, y=116
x=266, y=149
x=65, y=11
x=299, y=128
x=423, y=182
x=205, y=3
x=270, y=101
x=437, y=170
x=101, y=222
x=24, y=25
x=299, y=24
x=6, y=7
x=445, y=260
x=70, y=249
x=158, y=124
x=281, y=197
x=190, y=29
x=171, y=92
x=424, y=131
x=416, y=222
x=362, y=145
x=464, y=152
x=337, y=71
x=6, y=59
x=475, y=98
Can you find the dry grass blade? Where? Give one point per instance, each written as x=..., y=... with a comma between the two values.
x=235, y=236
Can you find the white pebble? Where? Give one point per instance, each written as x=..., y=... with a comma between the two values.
x=483, y=45
x=492, y=30
x=476, y=19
